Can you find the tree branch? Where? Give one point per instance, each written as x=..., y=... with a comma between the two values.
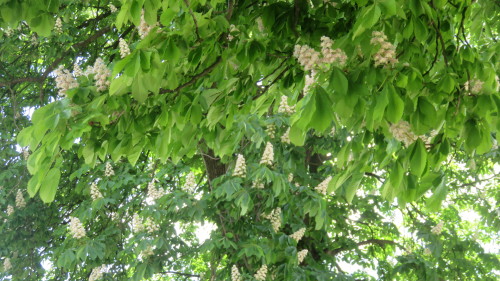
x=198, y=38
x=194, y=78
x=181, y=273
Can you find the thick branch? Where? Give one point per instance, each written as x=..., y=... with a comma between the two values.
x=181, y=273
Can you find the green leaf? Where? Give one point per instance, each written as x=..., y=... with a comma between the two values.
x=395, y=107
x=447, y=84
x=49, y=185
x=388, y=7
x=322, y=117
x=340, y=83
x=368, y=18
x=297, y=135
x=418, y=158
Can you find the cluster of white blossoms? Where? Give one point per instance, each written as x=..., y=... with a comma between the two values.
x=6, y=264
x=20, y=203
x=108, y=171
x=232, y=29
x=402, y=132
x=235, y=274
x=297, y=235
x=261, y=273
x=332, y=56
x=474, y=86
x=58, y=26
x=260, y=24
x=76, y=228
x=153, y=192
x=102, y=74
x=285, y=138
x=77, y=71
x=240, y=169
x=96, y=273
x=190, y=184
x=268, y=155
x=144, y=254
x=124, y=49
x=427, y=252
x=137, y=225
x=387, y=53
x=151, y=226
x=308, y=58
x=275, y=218
x=10, y=210
x=271, y=130
x=258, y=184
x=144, y=28
x=310, y=79
x=284, y=107
x=302, y=255
x=323, y=186
x=94, y=191
x=290, y=177
x=112, y=8
x=26, y=154
x=64, y=80
x=438, y=228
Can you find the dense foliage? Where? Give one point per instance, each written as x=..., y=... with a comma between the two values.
x=304, y=140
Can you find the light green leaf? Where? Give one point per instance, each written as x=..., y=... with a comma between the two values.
x=49, y=185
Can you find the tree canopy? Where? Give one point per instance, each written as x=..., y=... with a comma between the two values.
x=249, y=140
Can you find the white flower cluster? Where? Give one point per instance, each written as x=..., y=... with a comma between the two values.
x=94, y=191
x=402, y=132
x=137, y=225
x=102, y=73
x=308, y=57
x=26, y=154
x=58, y=26
x=235, y=274
x=332, y=131
x=285, y=138
x=302, y=255
x=427, y=252
x=275, y=218
x=151, y=226
x=77, y=71
x=271, y=130
x=260, y=24
x=64, y=80
x=284, y=107
x=290, y=177
x=261, y=273
x=153, y=192
x=240, y=169
x=10, y=210
x=96, y=273
x=108, y=171
x=309, y=82
x=112, y=8
x=268, y=156
x=190, y=184
x=144, y=28
x=387, y=53
x=438, y=228
x=144, y=254
x=76, y=228
x=258, y=184
x=474, y=86
x=323, y=186
x=6, y=264
x=332, y=56
x=20, y=203
x=297, y=235
x=124, y=49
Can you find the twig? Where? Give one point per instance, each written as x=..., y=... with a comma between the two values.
x=181, y=273
x=198, y=38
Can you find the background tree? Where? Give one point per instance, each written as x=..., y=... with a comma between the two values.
x=314, y=140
